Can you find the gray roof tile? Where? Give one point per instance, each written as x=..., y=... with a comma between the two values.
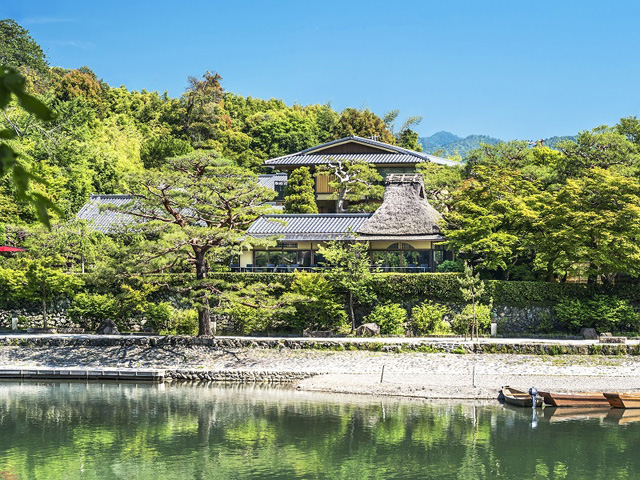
x=268, y=180
x=105, y=220
x=308, y=226
x=314, y=155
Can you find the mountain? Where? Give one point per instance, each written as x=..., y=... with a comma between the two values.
x=552, y=142
x=447, y=144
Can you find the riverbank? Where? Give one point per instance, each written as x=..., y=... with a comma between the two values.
x=396, y=372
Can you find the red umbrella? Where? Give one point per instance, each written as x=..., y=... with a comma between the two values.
x=5, y=248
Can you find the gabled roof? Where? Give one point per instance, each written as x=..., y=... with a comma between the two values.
x=106, y=220
x=308, y=226
x=374, y=152
x=268, y=180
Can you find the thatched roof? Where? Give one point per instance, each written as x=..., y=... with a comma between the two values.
x=404, y=209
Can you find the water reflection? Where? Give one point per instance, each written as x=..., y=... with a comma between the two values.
x=74, y=430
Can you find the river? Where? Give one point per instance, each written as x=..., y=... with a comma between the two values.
x=63, y=430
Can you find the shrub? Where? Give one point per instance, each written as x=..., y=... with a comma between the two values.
x=321, y=312
x=449, y=266
x=12, y=286
x=602, y=312
x=462, y=321
x=89, y=309
x=390, y=317
x=183, y=322
x=428, y=318
x=158, y=316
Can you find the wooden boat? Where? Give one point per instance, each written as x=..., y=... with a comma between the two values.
x=623, y=400
x=586, y=399
x=519, y=398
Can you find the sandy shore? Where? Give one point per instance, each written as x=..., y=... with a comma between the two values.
x=424, y=375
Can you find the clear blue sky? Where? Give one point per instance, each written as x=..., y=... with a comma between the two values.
x=503, y=68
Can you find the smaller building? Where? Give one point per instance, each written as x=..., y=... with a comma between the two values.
x=403, y=233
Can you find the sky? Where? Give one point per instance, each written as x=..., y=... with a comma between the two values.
x=507, y=69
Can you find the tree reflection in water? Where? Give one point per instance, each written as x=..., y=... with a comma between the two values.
x=76, y=430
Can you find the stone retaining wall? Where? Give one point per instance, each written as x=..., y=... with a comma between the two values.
x=237, y=376
x=510, y=319
x=222, y=343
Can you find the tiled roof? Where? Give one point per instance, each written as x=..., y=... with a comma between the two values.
x=397, y=155
x=268, y=180
x=105, y=220
x=311, y=226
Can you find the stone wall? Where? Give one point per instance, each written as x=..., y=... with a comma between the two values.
x=32, y=318
x=446, y=345
x=237, y=376
x=511, y=320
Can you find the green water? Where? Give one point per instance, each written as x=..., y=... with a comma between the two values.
x=130, y=431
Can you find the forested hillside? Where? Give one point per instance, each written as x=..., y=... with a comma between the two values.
x=448, y=144
x=100, y=134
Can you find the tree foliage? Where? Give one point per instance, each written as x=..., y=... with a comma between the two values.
x=300, y=194
x=353, y=181
x=349, y=271
x=195, y=212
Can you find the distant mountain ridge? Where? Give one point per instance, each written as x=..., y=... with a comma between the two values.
x=447, y=143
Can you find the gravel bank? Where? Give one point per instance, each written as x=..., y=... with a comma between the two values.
x=424, y=375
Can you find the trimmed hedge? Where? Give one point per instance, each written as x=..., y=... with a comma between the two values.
x=406, y=289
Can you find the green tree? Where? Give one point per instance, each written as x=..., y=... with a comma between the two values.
x=45, y=284
x=440, y=181
x=197, y=210
x=18, y=49
x=471, y=288
x=203, y=110
x=12, y=83
x=362, y=123
x=155, y=151
x=353, y=180
x=300, y=196
x=493, y=217
x=591, y=226
x=603, y=147
x=350, y=272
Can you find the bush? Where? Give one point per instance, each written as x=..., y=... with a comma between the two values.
x=390, y=317
x=89, y=309
x=449, y=266
x=158, y=316
x=183, y=322
x=12, y=286
x=246, y=320
x=462, y=321
x=603, y=312
x=321, y=312
x=428, y=318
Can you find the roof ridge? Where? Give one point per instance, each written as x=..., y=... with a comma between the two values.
x=333, y=215
x=110, y=195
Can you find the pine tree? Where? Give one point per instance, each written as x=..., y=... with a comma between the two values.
x=300, y=197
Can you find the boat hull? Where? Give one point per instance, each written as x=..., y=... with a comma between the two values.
x=519, y=398
x=623, y=400
x=574, y=399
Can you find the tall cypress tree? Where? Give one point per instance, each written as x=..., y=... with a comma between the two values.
x=300, y=197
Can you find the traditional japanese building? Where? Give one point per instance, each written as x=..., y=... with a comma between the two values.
x=386, y=158
x=403, y=233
